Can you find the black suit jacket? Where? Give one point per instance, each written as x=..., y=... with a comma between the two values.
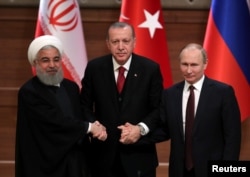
x=49, y=141
x=138, y=102
x=216, y=131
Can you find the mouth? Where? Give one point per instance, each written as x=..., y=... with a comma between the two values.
x=188, y=76
x=52, y=71
x=121, y=54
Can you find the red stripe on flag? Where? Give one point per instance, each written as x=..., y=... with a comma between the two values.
x=223, y=67
x=66, y=73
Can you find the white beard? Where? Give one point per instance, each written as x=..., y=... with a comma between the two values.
x=48, y=79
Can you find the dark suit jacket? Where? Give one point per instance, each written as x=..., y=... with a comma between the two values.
x=138, y=102
x=49, y=141
x=216, y=131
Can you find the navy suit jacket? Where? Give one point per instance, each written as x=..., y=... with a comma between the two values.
x=138, y=102
x=216, y=131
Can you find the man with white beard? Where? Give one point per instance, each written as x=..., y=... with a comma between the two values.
x=52, y=138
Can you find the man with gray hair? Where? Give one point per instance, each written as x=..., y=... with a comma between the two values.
x=51, y=134
x=201, y=117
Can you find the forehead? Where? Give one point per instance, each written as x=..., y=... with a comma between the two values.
x=48, y=51
x=190, y=53
x=120, y=32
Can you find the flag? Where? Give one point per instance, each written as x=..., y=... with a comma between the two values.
x=227, y=41
x=61, y=18
x=147, y=19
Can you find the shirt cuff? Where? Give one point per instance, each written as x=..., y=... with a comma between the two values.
x=145, y=127
x=89, y=128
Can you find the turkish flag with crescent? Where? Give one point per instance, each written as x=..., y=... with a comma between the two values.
x=63, y=20
x=147, y=19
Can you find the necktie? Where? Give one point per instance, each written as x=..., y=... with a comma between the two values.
x=188, y=129
x=120, y=79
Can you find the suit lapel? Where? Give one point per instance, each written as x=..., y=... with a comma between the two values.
x=204, y=97
x=132, y=81
x=178, y=98
x=107, y=71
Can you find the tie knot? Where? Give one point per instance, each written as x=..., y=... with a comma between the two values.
x=191, y=87
x=121, y=69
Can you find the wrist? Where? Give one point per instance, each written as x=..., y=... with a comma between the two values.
x=142, y=130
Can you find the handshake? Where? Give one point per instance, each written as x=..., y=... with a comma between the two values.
x=98, y=131
x=129, y=133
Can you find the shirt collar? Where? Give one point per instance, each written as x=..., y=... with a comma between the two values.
x=126, y=65
x=197, y=85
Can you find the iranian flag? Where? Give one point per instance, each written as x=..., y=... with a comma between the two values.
x=147, y=19
x=62, y=19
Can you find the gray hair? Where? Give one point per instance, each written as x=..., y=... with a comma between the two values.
x=120, y=25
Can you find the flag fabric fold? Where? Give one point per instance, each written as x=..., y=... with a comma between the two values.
x=147, y=19
x=227, y=41
x=63, y=20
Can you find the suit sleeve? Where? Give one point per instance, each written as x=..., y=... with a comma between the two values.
x=86, y=96
x=231, y=125
x=155, y=91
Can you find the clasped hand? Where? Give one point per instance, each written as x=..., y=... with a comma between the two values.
x=98, y=131
x=129, y=133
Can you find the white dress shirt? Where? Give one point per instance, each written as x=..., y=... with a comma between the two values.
x=185, y=95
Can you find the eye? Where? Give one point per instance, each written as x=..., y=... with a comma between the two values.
x=44, y=60
x=47, y=60
x=126, y=41
x=114, y=42
x=56, y=59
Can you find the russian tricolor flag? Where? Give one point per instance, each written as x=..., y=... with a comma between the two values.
x=227, y=42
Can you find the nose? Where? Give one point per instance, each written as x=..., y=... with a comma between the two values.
x=189, y=69
x=120, y=46
x=51, y=63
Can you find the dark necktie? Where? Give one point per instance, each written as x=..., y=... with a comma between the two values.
x=120, y=79
x=188, y=129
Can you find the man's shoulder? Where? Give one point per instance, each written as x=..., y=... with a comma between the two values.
x=68, y=82
x=30, y=82
x=143, y=58
x=176, y=86
x=144, y=61
x=216, y=83
x=100, y=59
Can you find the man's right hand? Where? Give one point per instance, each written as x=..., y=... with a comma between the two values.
x=98, y=131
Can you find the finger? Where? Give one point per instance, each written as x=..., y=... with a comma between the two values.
x=121, y=127
x=128, y=124
x=97, y=123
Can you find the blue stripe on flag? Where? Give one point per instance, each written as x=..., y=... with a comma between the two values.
x=232, y=18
